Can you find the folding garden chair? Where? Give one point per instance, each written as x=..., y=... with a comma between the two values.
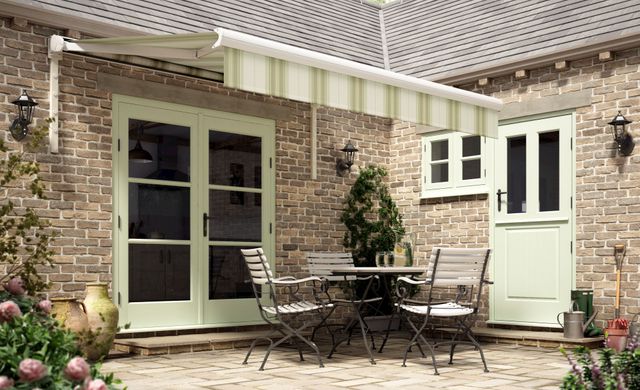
x=462, y=269
x=321, y=264
x=277, y=311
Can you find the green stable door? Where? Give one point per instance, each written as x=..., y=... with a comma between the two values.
x=533, y=222
x=191, y=187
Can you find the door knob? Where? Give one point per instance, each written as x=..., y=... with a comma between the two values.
x=500, y=193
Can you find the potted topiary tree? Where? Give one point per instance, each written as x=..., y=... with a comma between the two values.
x=371, y=217
x=373, y=225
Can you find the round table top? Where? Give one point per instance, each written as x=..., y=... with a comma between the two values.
x=378, y=270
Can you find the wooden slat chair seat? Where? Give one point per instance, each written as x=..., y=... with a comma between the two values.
x=282, y=305
x=320, y=264
x=460, y=268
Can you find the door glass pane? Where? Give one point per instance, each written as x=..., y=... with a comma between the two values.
x=471, y=169
x=235, y=216
x=471, y=146
x=234, y=159
x=159, y=273
x=439, y=150
x=158, y=212
x=228, y=275
x=516, y=175
x=549, y=176
x=158, y=151
x=439, y=173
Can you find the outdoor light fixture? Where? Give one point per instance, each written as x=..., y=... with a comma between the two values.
x=622, y=137
x=20, y=126
x=138, y=154
x=344, y=166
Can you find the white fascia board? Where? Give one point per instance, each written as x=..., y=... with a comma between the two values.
x=265, y=47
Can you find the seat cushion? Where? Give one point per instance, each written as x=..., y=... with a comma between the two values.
x=442, y=310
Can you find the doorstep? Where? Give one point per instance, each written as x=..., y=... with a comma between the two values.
x=162, y=345
x=532, y=338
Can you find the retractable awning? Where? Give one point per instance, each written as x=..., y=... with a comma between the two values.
x=262, y=66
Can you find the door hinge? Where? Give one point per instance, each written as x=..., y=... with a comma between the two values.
x=571, y=202
x=571, y=143
x=118, y=144
x=270, y=162
x=571, y=246
x=119, y=298
x=270, y=228
x=485, y=173
x=119, y=222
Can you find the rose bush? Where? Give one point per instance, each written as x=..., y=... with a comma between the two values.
x=35, y=352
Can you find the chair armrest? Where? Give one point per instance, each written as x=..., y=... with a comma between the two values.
x=288, y=280
x=415, y=282
x=487, y=281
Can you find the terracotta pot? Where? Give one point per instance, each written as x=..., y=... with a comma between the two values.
x=617, y=338
x=70, y=313
x=103, y=320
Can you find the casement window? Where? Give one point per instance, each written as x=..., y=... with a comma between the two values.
x=453, y=164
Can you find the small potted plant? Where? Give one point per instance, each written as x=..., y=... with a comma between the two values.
x=616, y=333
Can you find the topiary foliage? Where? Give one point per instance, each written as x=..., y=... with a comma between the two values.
x=371, y=217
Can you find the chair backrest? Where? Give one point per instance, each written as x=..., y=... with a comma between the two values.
x=258, y=265
x=458, y=266
x=320, y=264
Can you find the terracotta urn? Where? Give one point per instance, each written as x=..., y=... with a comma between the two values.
x=103, y=320
x=70, y=313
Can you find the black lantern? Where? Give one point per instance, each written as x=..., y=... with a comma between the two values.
x=620, y=134
x=138, y=154
x=344, y=166
x=26, y=105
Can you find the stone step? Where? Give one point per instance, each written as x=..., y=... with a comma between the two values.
x=161, y=345
x=534, y=338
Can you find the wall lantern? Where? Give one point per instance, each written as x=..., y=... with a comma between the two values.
x=344, y=166
x=138, y=154
x=622, y=137
x=26, y=106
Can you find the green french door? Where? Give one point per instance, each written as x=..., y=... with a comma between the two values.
x=191, y=187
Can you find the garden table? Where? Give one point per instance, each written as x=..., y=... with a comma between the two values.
x=381, y=272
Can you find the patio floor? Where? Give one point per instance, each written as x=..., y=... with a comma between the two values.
x=512, y=367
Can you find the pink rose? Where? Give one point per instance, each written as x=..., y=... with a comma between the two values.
x=97, y=384
x=44, y=305
x=8, y=310
x=77, y=369
x=5, y=382
x=31, y=370
x=15, y=286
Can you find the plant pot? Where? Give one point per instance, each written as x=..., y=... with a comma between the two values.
x=103, y=320
x=617, y=338
x=381, y=323
x=70, y=313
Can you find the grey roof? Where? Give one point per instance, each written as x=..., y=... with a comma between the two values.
x=432, y=39
x=343, y=28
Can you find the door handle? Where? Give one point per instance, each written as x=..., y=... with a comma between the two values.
x=500, y=193
x=205, y=223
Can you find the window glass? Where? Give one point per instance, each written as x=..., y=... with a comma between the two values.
x=471, y=146
x=517, y=175
x=549, y=171
x=471, y=169
x=439, y=150
x=439, y=173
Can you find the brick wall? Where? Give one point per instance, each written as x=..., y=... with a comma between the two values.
x=78, y=179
